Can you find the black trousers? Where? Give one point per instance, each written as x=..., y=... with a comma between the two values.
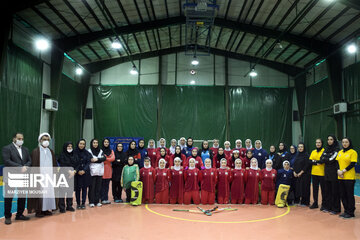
x=332, y=196
x=128, y=194
x=116, y=189
x=105, y=189
x=347, y=195
x=302, y=191
x=8, y=206
x=69, y=203
x=95, y=189
x=316, y=182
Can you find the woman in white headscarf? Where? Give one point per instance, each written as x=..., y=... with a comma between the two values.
x=252, y=183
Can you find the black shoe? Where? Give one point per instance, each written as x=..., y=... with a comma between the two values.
x=7, y=221
x=348, y=216
x=39, y=215
x=78, y=207
x=314, y=205
x=62, y=211
x=334, y=213
x=71, y=209
x=324, y=210
x=22, y=217
x=83, y=206
x=342, y=215
x=47, y=213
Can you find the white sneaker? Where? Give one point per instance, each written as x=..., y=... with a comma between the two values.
x=99, y=205
x=92, y=205
x=103, y=202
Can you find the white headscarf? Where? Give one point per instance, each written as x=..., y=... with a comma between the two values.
x=149, y=143
x=286, y=161
x=258, y=141
x=149, y=164
x=214, y=145
x=238, y=140
x=162, y=160
x=191, y=160
x=177, y=168
x=159, y=142
x=254, y=168
x=172, y=149
x=227, y=149
x=210, y=163
x=223, y=159
x=238, y=160
x=179, y=142
x=269, y=160
x=250, y=144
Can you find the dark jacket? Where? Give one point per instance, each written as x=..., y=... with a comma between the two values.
x=302, y=163
x=11, y=156
x=118, y=165
x=331, y=165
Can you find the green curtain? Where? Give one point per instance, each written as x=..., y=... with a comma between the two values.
x=68, y=120
x=318, y=125
x=261, y=113
x=20, y=97
x=189, y=111
x=352, y=93
x=128, y=111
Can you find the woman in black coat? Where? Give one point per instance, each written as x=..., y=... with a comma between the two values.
x=302, y=174
x=117, y=167
x=331, y=193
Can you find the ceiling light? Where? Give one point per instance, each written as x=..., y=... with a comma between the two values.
x=352, y=48
x=195, y=61
x=192, y=82
x=116, y=45
x=42, y=44
x=133, y=70
x=253, y=73
x=79, y=71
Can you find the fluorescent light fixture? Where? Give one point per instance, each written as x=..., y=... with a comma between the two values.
x=116, y=45
x=42, y=44
x=352, y=48
x=192, y=82
x=195, y=61
x=133, y=71
x=253, y=73
x=79, y=71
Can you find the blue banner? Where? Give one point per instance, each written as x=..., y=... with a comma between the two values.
x=124, y=140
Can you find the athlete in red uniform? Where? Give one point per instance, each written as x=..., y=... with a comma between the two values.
x=165, y=156
x=179, y=155
x=163, y=178
x=151, y=152
x=227, y=149
x=217, y=158
x=238, y=146
x=268, y=178
x=208, y=183
x=238, y=183
x=198, y=161
x=148, y=177
x=223, y=185
x=215, y=147
x=252, y=183
x=177, y=182
x=192, y=178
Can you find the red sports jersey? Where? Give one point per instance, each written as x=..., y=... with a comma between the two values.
x=216, y=162
x=177, y=185
x=228, y=153
x=148, y=177
x=167, y=160
x=252, y=186
x=198, y=162
x=223, y=186
x=151, y=152
x=192, y=178
x=163, y=178
x=268, y=179
x=172, y=157
x=158, y=152
x=238, y=185
x=209, y=179
x=214, y=150
x=245, y=162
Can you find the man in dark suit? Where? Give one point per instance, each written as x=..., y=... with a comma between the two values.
x=15, y=155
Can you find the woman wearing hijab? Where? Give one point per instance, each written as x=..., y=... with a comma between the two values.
x=302, y=174
x=117, y=167
x=267, y=178
x=151, y=152
x=217, y=158
x=82, y=177
x=252, y=182
x=347, y=158
x=177, y=182
x=172, y=146
x=96, y=172
x=238, y=183
x=224, y=180
x=110, y=157
x=285, y=176
x=182, y=143
x=227, y=149
x=133, y=152
x=260, y=154
x=283, y=153
x=67, y=159
x=165, y=156
x=198, y=161
x=175, y=155
x=129, y=174
x=292, y=155
x=189, y=146
x=143, y=153
x=148, y=177
x=192, y=177
x=163, y=178
x=246, y=163
x=248, y=144
x=205, y=152
x=235, y=155
x=162, y=144
x=317, y=174
x=214, y=149
x=331, y=193
x=275, y=158
x=208, y=183
x=238, y=146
